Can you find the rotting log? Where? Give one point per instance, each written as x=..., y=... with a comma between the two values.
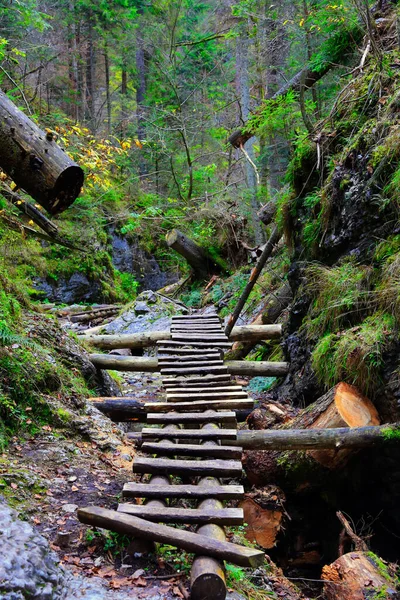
x=202, y=263
x=150, y=365
x=311, y=439
x=263, y=511
x=112, y=520
x=355, y=576
x=35, y=162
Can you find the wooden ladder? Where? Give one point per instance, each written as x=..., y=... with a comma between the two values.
x=186, y=440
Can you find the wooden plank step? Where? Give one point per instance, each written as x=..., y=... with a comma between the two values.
x=195, y=363
x=208, y=416
x=196, y=337
x=197, y=405
x=204, y=545
x=189, y=434
x=208, y=344
x=201, y=451
x=171, y=466
x=198, y=380
x=230, y=389
x=195, y=317
x=189, y=370
x=190, y=516
x=213, y=356
x=167, y=350
x=196, y=328
x=151, y=490
x=203, y=395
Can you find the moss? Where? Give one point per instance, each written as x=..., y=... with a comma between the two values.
x=65, y=416
x=391, y=433
x=380, y=566
x=356, y=355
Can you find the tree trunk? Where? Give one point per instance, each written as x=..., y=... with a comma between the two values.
x=90, y=77
x=108, y=97
x=143, y=340
x=35, y=162
x=150, y=365
x=140, y=87
x=202, y=264
x=263, y=514
x=356, y=576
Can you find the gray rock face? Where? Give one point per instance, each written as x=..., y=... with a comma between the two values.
x=76, y=288
x=128, y=257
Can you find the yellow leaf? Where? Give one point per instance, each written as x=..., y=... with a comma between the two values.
x=138, y=143
x=301, y=23
x=31, y=222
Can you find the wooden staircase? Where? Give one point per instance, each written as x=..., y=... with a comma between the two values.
x=186, y=440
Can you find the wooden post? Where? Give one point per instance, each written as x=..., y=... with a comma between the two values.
x=35, y=162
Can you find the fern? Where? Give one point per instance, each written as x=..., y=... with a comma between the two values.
x=8, y=337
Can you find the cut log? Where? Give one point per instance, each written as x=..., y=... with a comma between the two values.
x=150, y=490
x=95, y=516
x=201, y=262
x=207, y=416
x=189, y=434
x=267, y=212
x=235, y=367
x=166, y=466
x=35, y=162
x=143, y=340
x=356, y=576
x=197, y=450
x=190, y=516
x=342, y=406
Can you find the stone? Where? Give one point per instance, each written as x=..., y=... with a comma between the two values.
x=141, y=308
x=69, y=508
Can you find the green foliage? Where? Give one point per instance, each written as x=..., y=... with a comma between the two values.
x=356, y=354
x=338, y=295
x=391, y=433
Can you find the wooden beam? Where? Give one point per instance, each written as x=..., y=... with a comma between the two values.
x=207, y=416
x=200, y=451
x=243, y=556
x=168, y=466
x=150, y=490
x=190, y=516
x=189, y=434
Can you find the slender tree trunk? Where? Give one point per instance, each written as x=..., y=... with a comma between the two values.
x=124, y=94
x=108, y=97
x=79, y=72
x=90, y=76
x=242, y=83
x=140, y=87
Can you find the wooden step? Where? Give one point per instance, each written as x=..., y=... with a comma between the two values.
x=215, y=356
x=150, y=490
x=96, y=516
x=171, y=466
x=213, y=329
x=204, y=344
x=203, y=380
x=201, y=451
x=230, y=389
x=204, y=395
x=195, y=318
x=168, y=350
x=208, y=416
x=197, y=337
x=189, y=434
x=188, y=370
x=198, y=362
x=197, y=405
x=190, y=516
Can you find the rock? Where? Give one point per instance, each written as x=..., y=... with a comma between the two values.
x=141, y=308
x=77, y=288
x=69, y=508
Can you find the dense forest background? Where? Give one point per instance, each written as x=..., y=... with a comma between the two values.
x=225, y=120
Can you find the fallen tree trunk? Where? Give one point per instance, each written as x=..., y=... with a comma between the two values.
x=356, y=576
x=35, y=162
x=263, y=511
x=150, y=365
x=311, y=439
x=201, y=262
x=342, y=406
x=143, y=340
